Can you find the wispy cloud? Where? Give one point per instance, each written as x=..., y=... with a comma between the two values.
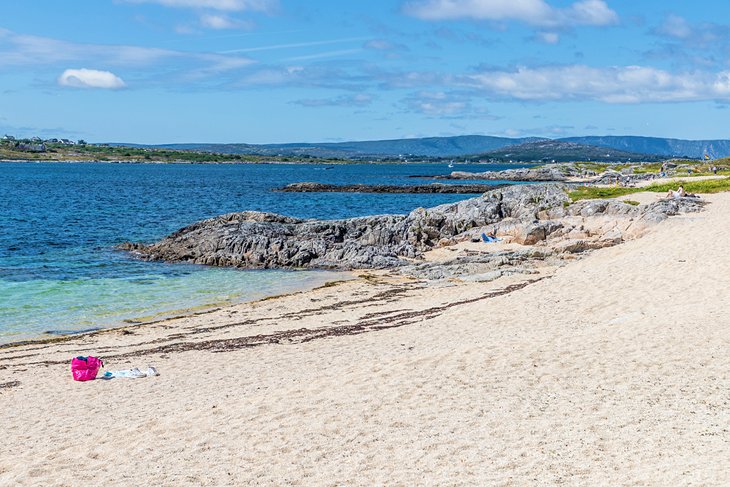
x=533, y=12
x=90, y=78
x=19, y=50
x=225, y=5
x=327, y=76
x=322, y=55
x=675, y=26
x=623, y=84
x=222, y=22
x=295, y=45
x=548, y=37
x=358, y=100
x=446, y=105
x=692, y=35
x=32, y=52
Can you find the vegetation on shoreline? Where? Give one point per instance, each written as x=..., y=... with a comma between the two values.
x=44, y=151
x=705, y=187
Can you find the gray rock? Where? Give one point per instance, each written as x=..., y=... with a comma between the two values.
x=552, y=173
x=266, y=240
x=435, y=188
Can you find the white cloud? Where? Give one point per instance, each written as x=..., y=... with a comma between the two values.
x=548, y=37
x=220, y=22
x=675, y=26
x=623, y=84
x=436, y=104
x=90, y=78
x=445, y=105
x=225, y=5
x=534, y=12
x=589, y=12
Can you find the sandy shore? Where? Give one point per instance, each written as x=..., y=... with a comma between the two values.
x=612, y=370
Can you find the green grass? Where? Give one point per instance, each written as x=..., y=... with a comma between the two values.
x=593, y=192
x=647, y=168
x=704, y=187
x=632, y=202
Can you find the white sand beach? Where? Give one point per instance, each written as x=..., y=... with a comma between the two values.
x=611, y=370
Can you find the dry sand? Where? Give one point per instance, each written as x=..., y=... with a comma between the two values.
x=612, y=370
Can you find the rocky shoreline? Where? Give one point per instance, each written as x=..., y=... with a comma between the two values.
x=553, y=173
x=539, y=218
x=434, y=188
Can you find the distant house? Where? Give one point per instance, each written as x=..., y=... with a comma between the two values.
x=8, y=137
x=67, y=142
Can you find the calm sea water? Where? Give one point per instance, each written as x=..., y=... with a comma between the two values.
x=59, y=223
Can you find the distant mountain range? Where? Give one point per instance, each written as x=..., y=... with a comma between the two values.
x=653, y=145
x=469, y=145
x=561, y=151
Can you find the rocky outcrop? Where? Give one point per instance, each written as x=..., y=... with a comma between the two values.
x=585, y=225
x=481, y=266
x=623, y=178
x=558, y=236
x=535, y=174
x=265, y=240
x=389, y=188
x=538, y=215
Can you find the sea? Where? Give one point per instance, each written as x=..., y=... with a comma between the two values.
x=60, y=222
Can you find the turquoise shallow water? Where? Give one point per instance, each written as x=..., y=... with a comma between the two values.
x=59, y=223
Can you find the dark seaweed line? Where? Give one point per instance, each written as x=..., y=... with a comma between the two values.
x=8, y=385
x=303, y=335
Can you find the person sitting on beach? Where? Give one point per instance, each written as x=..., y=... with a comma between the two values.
x=680, y=193
x=676, y=194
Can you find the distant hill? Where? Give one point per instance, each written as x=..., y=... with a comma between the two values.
x=460, y=146
x=425, y=147
x=561, y=151
x=654, y=145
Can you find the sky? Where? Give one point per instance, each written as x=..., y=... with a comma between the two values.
x=273, y=71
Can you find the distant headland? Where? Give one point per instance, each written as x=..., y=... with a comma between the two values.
x=459, y=149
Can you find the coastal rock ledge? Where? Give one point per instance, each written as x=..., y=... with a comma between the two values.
x=528, y=213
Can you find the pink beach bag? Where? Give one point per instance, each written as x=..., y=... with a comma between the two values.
x=85, y=368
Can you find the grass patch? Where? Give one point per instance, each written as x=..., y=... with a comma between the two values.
x=705, y=187
x=647, y=168
x=631, y=202
x=599, y=167
x=593, y=192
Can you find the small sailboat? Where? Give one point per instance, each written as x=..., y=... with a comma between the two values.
x=451, y=163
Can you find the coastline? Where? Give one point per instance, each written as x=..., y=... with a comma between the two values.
x=53, y=336
x=607, y=370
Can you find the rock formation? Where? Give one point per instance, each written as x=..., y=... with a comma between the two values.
x=552, y=173
x=390, y=188
x=264, y=240
x=538, y=215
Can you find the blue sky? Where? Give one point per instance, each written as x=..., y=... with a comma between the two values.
x=265, y=71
